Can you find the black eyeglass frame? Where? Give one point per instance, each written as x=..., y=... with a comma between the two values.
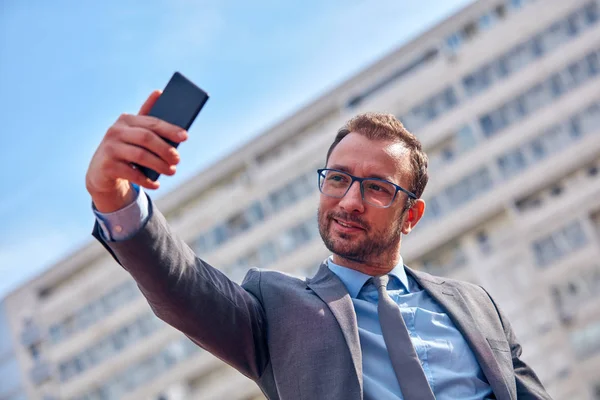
x=362, y=190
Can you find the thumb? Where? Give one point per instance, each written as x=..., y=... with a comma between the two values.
x=150, y=102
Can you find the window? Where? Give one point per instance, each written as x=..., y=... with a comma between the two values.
x=483, y=242
x=294, y=238
x=591, y=12
x=586, y=341
x=454, y=41
x=479, y=80
x=558, y=34
x=556, y=190
x=516, y=4
x=589, y=120
x=267, y=253
x=244, y=220
x=94, y=311
x=143, y=371
x=580, y=286
x=487, y=20
x=512, y=163
x=537, y=149
x=529, y=203
x=551, y=248
x=523, y=54
x=422, y=59
x=520, y=56
x=547, y=250
x=109, y=345
x=445, y=259
x=480, y=181
x=434, y=207
x=220, y=235
x=574, y=236
x=459, y=193
x=431, y=108
x=449, y=149
x=536, y=97
x=593, y=63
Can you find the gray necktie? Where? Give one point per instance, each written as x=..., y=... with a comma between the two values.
x=407, y=366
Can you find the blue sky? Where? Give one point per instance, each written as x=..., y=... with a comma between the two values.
x=68, y=69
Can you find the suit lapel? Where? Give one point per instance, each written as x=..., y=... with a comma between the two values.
x=333, y=292
x=452, y=301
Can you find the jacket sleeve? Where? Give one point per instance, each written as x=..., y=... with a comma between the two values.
x=527, y=382
x=192, y=296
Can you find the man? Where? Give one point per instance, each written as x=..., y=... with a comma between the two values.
x=364, y=327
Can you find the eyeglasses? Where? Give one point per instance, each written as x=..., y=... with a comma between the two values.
x=377, y=192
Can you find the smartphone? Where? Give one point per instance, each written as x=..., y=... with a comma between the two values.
x=179, y=104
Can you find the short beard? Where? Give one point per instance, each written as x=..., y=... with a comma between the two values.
x=376, y=245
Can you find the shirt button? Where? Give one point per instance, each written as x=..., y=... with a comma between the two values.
x=118, y=229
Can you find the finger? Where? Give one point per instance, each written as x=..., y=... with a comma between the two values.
x=149, y=140
x=127, y=171
x=160, y=127
x=149, y=103
x=138, y=155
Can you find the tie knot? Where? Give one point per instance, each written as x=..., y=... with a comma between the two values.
x=380, y=281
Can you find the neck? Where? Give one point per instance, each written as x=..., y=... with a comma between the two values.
x=369, y=267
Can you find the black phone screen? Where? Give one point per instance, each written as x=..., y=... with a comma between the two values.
x=179, y=104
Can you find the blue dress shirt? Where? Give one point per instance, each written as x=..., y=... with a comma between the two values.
x=449, y=364
x=126, y=222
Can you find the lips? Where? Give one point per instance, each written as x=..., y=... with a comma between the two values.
x=346, y=226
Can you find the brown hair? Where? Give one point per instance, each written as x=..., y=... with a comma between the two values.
x=379, y=126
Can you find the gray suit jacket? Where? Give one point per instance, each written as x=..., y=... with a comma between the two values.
x=298, y=339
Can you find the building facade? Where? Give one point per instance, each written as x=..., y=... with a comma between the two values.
x=504, y=95
x=11, y=380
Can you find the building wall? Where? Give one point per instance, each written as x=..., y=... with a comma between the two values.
x=504, y=95
x=11, y=381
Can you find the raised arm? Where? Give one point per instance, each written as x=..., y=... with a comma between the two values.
x=183, y=290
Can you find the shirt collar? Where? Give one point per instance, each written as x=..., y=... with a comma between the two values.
x=355, y=280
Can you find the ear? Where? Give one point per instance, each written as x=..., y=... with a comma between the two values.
x=413, y=215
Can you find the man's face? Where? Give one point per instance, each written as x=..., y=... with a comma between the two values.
x=356, y=230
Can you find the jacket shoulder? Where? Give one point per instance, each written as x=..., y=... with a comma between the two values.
x=467, y=288
x=268, y=279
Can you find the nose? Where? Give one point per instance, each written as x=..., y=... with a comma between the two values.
x=353, y=201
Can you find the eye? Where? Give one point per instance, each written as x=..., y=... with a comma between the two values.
x=336, y=177
x=379, y=187
x=375, y=187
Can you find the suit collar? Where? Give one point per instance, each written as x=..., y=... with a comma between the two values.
x=333, y=292
x=450, y=298
x=355, y=280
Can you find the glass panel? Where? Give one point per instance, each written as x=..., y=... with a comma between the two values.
x=575, y=236
x=267, y=253
x=546, y=251
x=589, y=120
x=538, y=149
x=512, y=163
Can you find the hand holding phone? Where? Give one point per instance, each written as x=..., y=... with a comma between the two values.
x=137, y=148
x=179, y=104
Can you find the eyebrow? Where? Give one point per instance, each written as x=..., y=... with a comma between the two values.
x=346, y=169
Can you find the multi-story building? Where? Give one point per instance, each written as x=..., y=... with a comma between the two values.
x=504, y=95
x=11, y=380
